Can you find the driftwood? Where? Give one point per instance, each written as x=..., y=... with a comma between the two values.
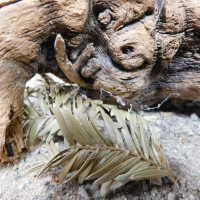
x=26, y=27
x=142, y=51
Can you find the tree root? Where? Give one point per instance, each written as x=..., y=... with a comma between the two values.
x=13, y=142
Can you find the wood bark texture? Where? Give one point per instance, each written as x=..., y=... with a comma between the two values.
x=141, y=51
x=26, y=26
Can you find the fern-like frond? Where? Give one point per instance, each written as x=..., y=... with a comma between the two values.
x=40, y=122
x=103, y=165
x=105, y=144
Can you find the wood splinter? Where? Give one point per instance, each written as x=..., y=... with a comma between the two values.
x=69, y=69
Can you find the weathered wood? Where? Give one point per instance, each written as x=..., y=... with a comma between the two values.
x=25, y=26
x=142, y=51
x=145, y=51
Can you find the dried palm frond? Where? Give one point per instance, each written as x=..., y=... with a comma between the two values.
x=105, y=144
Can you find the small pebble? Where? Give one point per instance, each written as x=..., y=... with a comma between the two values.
x=171, y=196
x=194, y=117
x=197, y=56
